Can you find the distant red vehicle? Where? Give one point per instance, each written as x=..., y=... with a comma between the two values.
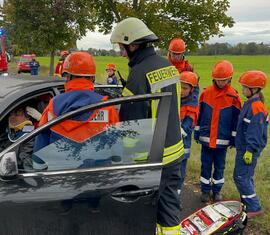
x=23, y=64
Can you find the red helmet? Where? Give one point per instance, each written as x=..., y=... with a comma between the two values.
x=253, y=79
x=189, y=78
x=63, y=53
x=222, y=70
x=177, y=45
x=111, y=66
x=80, y=63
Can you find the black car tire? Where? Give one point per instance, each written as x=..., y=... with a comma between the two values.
x=19, y=71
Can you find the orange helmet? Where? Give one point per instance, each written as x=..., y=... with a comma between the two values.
x=253, y=79
x=177, y=45
x=80, y=63
x=222, y=70
x=63, y=53
x=189, y=78
x=111, y=66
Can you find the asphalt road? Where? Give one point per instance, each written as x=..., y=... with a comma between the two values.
x=191, y=202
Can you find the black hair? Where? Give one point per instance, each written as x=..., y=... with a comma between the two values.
x=92, y=78
x=261, y=96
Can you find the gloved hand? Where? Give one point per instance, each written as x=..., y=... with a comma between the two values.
x=33, y=113
x=183, y=133
x=247, y=157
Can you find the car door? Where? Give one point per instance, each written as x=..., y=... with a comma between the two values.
x=105, y=184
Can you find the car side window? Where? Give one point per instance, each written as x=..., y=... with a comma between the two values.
x=21, y=120
x=76, y=144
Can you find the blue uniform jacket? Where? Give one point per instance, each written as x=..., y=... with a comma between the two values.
x=112, y=80
x=252, y=127
x=34, y=65
x=74, y=98
x=218, y=114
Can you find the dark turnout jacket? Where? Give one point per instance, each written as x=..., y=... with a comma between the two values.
x=150, y=73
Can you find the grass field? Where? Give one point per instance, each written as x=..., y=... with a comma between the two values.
x=203, y=65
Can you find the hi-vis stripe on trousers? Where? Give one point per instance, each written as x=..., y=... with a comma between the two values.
x=173, y=152
x=175, y=230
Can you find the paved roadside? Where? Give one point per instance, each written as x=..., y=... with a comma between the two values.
x=190, y=200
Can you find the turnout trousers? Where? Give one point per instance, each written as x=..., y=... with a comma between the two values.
x=168, y=216
x=210, y=157
x=243, y=178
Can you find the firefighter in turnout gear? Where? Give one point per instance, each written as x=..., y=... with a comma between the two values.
x=151, y=73
x=251, y=138
x=219, y=108
x=79, y=68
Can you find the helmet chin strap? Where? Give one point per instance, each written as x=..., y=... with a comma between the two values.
x=130, y=53
x=252, y=92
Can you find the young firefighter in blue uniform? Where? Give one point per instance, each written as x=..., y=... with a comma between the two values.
x=250, y=139
x=111, y=79
x=34, y=66
x=219, y=109
x=135, y=42
x=188, y=116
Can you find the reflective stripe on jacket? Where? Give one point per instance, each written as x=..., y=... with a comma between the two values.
x=252, y=126
x=218, y=114
x=151, y=73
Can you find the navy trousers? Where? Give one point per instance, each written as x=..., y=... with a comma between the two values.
x=243, y=178
x=212, y=157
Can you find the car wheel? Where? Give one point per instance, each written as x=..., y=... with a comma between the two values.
x=19, y=71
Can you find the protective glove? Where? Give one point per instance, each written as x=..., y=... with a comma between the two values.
x=247, y=157
x=33, y=113
x=183, y=133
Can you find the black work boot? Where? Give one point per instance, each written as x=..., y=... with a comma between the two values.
x=205, y=197
x=217, y=197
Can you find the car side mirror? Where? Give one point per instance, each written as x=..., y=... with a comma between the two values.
x=8, y=166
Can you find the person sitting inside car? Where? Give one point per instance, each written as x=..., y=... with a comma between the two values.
x=20, y=123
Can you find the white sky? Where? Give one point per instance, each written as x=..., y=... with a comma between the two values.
x=252, y=24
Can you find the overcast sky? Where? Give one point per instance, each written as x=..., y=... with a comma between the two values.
x=252, y=24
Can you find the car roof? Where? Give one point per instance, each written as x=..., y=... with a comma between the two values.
x=11, y=89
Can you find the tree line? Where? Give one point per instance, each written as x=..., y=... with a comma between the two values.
x=251, y=48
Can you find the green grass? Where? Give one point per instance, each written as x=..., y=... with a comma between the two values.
x=203, y=66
